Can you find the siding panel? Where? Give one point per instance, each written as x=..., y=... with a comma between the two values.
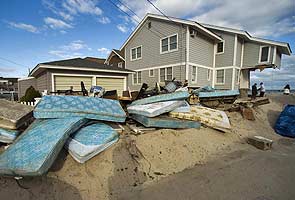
x=227, y=82
x=226, y=58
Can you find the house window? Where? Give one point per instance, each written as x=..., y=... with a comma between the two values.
x=208, y=74
x=220, y=76
x=166, y=74
x=264, y=54
x=194, y=74
x=169, y=44
x=120, y=64
x=237, y=75
x=137, y=78
x=151, y=73
x=136, y=53
x=220, y=47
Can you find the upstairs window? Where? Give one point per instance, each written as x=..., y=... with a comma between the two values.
x=136, y=53
x=169, y=44
x=264, y=53
x=166, y=74
x=220, y=47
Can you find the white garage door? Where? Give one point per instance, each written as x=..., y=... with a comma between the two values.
x=111, y=83
x=65, y=82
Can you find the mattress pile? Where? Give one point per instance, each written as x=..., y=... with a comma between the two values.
x=8, y=136
x=90, y=141
x=152, y=111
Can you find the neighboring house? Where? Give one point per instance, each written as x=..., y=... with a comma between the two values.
x=8, y=84
x=160, y=49
x=64, y=74
x=116, y=58
x=99, y=60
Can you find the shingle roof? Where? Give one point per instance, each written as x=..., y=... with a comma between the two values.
x=84, y=63
x=99, y=60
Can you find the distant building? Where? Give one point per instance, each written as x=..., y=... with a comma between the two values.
x=8, y=84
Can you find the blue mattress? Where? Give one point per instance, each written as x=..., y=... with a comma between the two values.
x=165, y=122
x=8, y=136
x=219, y=93
x=180, y=95
x=90, y=141
x=35, y=150
x=78, y=106
x=285, y=124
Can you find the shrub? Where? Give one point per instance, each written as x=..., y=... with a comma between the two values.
x=30, y=94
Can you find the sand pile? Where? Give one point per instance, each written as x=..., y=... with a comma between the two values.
x=142, y=160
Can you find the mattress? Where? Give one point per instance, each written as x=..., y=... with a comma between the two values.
x=184, y=107
x=14, y=115
x=220, y=93
x=154, y=109
x=90, y=141
x=78, y=106
x=33, y=153
x=179, y=95
x=210, y=117
x=8, y=136
x=164, y=121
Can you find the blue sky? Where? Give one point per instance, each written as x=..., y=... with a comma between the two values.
x=43, y=30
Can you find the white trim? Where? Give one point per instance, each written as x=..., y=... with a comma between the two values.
x=196, y=78
x=118, y=55
x=214, y=65
x=77, y=69
x=109, y=57
x=187, y=22
x=268, y=55
x=218, y=53
x=136, y=74
x=26, y=78
x=223, y=77
x=227, y=67
x=238, y=78
x=209, y=73
x=235, y=50
x=161, y=66
x=121, y=64
x=233, y=79
x=93, y=81
x=249, y=37
x=187, y=54
x=135, y=53
x=198, y=65
x=150, y=72
x=274, y=56
x=168, y=37
x=242, y=54
x=165, y=73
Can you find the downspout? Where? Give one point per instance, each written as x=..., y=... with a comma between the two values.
x=234, y=62
x=187, y=54
x=214, y=63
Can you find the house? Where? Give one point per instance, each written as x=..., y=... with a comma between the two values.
x=8, y=84
x=64, y=74
x=116, y=58
x=161, y=48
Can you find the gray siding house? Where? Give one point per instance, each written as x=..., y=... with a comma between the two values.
x=160, y=49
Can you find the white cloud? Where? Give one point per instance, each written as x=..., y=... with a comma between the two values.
x=73, y=49
x=49, y=4
x=104, y=20
x=122, y=28
x=75, y=46
x=56, y=23
x=103, y=51
x=261, y=18
x=65, y=55
x=23, y=26
x=82, y=6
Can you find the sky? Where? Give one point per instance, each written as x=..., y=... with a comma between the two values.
x=38, y=31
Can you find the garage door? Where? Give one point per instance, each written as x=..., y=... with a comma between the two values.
x=111, y=84
x=65, y=82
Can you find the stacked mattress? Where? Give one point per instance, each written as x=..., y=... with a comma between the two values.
x=36, y=149
x=78, y=106
x=8, y=136
x=90, y=141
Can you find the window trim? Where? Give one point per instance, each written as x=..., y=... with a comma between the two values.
x=208, y=74
x=136, y=73
x=260, y=54
x=165, y=73
x=237, y=75
x=169, y=51
x=120, y=64
x=221, y=83
x=135, y=53
x=217, y=53
x=153, y=72
x=196, y=78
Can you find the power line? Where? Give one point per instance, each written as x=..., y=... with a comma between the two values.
x=159, y=10
x=12, y=62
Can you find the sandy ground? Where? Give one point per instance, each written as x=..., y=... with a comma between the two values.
x=142, y=161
